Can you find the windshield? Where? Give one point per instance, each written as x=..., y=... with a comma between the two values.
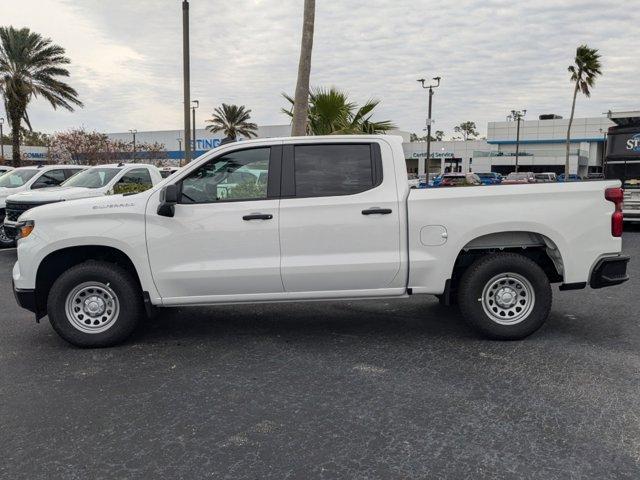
x=93, y=178
x=486, y=175
x=17, y=178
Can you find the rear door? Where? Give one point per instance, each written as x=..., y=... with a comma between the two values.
x=339, y=218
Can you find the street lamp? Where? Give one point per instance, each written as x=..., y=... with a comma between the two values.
x=517, y=115
x=429, y=121
x=133, y=132
x=186, y=79
x=604, y=146
x=1, y=139
x=196, y=104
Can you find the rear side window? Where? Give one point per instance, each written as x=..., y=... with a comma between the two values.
x=336, y=169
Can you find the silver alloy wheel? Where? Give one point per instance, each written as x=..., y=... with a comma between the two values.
x=508, y=298
x=92, y=307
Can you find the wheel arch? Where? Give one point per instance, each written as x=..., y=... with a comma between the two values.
x=536, y=246
x=58, y=261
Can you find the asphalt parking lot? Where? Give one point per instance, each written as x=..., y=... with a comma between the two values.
x=356, y=390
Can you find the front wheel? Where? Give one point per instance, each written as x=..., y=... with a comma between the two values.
x=94, y=304
x=505, y=296
x=5, y=240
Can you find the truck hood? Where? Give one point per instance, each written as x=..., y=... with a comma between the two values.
x=56, y=194
x=5, y=192
x=99, y=205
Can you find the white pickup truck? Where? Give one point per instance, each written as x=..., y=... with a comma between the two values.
x=329, y=218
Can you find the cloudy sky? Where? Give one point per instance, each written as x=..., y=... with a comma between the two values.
x=493, y=56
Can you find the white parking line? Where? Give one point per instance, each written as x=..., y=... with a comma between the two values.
x=8, y=249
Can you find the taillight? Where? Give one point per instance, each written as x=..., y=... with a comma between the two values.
x=616, y=195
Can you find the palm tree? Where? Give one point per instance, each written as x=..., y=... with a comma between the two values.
x=583, y=72
x=30, y=66
x=301, y=104
x=232, y=120
x=332, y=113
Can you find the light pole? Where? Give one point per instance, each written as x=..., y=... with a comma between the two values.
x=429, y=121
x=196, y=104
x=179, y=144
x=133, y=132
x=518, y=115
x=1, y=139
x=186, y=79
x=604, y=147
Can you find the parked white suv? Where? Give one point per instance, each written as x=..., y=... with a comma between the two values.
x=92, y=182
x=315, y=218
x=25, y=179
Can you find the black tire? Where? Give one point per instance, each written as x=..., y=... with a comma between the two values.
x=118, y=282
x=530, y=306
x=6, y=242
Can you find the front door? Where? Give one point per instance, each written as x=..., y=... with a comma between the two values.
x=339, y=221
x=223, y=239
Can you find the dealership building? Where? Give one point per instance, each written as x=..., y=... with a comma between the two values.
x=541, y=147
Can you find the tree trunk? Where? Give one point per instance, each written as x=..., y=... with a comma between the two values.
x=301, y=99
x=15, y=140
x=573, y=109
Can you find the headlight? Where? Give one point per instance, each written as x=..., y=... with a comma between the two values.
x=25, y=229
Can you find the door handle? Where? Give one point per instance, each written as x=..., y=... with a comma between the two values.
x=258, y=216
x=376, y=211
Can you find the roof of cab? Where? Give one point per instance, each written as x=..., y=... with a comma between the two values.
x=123, y=165
x=49, y=166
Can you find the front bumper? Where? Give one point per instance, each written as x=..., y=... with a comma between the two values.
x=609, y=271
x=26, y=298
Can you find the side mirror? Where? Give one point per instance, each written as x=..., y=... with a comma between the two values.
x=168, y=200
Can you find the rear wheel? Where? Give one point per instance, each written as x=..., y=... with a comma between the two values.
x=505, y=296
x=5, y=240
x=94, y=304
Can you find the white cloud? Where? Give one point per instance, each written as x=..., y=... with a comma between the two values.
x=493, y=56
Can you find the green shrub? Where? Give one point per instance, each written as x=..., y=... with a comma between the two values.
x=130, y=188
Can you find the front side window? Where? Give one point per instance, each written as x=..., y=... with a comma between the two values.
x=17, y=178
x=137, y=176
x=52, y=178
x=328, y=170
x=239, y=175
x=134, y=181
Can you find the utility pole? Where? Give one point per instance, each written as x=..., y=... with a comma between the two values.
x=193, y=123
x=1, y=139
x=518, y=115
x=604, y=147
x=186, y=79
x=429, y=121
x=133, y=132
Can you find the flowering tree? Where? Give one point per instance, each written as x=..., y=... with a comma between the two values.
x=94, y=148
